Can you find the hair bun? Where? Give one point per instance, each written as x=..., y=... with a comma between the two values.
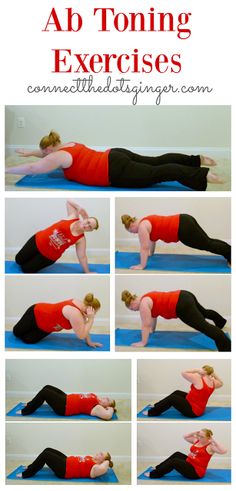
x=89, y=297
x=125, y=295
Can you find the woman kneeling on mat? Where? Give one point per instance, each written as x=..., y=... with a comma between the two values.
x=194, y=465
x=48, y=245
x=69, y=467
x=116, y=167
x=191, y=404
x=41, y=319
x=174, y=228
x=172, y=305
x=71, y=404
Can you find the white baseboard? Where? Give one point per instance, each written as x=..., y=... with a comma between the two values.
x=220, y=152
x=173, y=248
x=100, y=322
x=154, y=460
x=154, y=396
x=162, y=324
x=30, y=457
x=26, y=395
x=91, y=252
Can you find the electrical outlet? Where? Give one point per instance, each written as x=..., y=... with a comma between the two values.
x=20, y=121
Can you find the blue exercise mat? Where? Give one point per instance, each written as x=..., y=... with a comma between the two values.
x=212, y=413
x=59, y=342
x=56, y=180
x=45, y=411
x=46, y=474
x=212, y=475
x=166, y=339
x=11, y=267
x=186, y=263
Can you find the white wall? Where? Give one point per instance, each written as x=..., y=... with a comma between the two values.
x=158, y=440
x=157, y=378
x=23, y=291
x=109, y=126
x=212, y=291
x=70, y=438
x=212, y=214
x=26, y=216
x=71, y=376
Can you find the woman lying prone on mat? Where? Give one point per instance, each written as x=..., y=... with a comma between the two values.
x=69, y=467
x=172, y=305
x=116, y=167
x=194, y=465
x=41, y=319
x=48, y=245
x=71, y=404
x=174, y=228
x=191, y=404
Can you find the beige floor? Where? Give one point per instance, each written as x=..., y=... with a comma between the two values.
x=123, y=411
x=144, y=402
x=161, y=326
x=142, y=466
x=223, y=169
x=122, y=470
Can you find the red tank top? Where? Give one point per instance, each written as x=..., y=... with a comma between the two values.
x=164, y=228
x=80, y=403
x=88, y=166
x=199, y=458
x=79, y=466
x=54, y=240
x=49, y=316
x=198, y=398
x=164, y=303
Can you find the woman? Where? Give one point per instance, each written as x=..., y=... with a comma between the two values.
x=194, y=465
x=175, y=228
x=41, y=319
x=48, y=245
x=191, y=404
x=116, y=167
x=69, y=467
x=172, y=305
x=71, y=404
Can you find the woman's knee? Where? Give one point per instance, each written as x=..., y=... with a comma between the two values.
x=26, y=268
x=19, y=259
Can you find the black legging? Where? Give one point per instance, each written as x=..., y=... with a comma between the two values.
x=191, y=234
x=192, y=313
x=26, y=328
x=54, y=397
x=30, y=259
x=130, y=170
x=54, y=459
x=177, y=400
x=177, y=461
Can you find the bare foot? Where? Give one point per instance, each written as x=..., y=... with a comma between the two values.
x=207, y=161
x=147, y=474
x=214, y=178
x=145, y=413
x=140, y=344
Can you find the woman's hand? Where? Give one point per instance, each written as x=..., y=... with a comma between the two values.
x=90, y=312
x=137, y=266
x=95, y=345
x=22, y=152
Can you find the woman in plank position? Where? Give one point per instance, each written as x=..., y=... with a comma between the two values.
x=69, y=467
x=71, y=404
x=46, y=246
x=116, y=167
x=174, y=228
x=41, y=319
x=172, y=305
x=194, y=465
x=191, y=404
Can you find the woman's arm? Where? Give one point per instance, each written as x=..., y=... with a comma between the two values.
x=90, y=343
x=75, y=210
x=193, y=376
x=32, y=153
x=102, y=412
x=217, y=381
x=146, y=319
x=80, y=326
x=144, y=240
x=215, y=447
x=152, y=248
x=191, y=437
x=99, y=469
x=46, y=164
x=80, y=248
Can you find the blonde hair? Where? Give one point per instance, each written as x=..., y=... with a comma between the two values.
x=127, y=297
x=91, y=301
x=108, y=457
x=208, y=432
x=127, y=220
x=113, y=405
x=52, y=139
x=208, y=369
x=97, y=223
